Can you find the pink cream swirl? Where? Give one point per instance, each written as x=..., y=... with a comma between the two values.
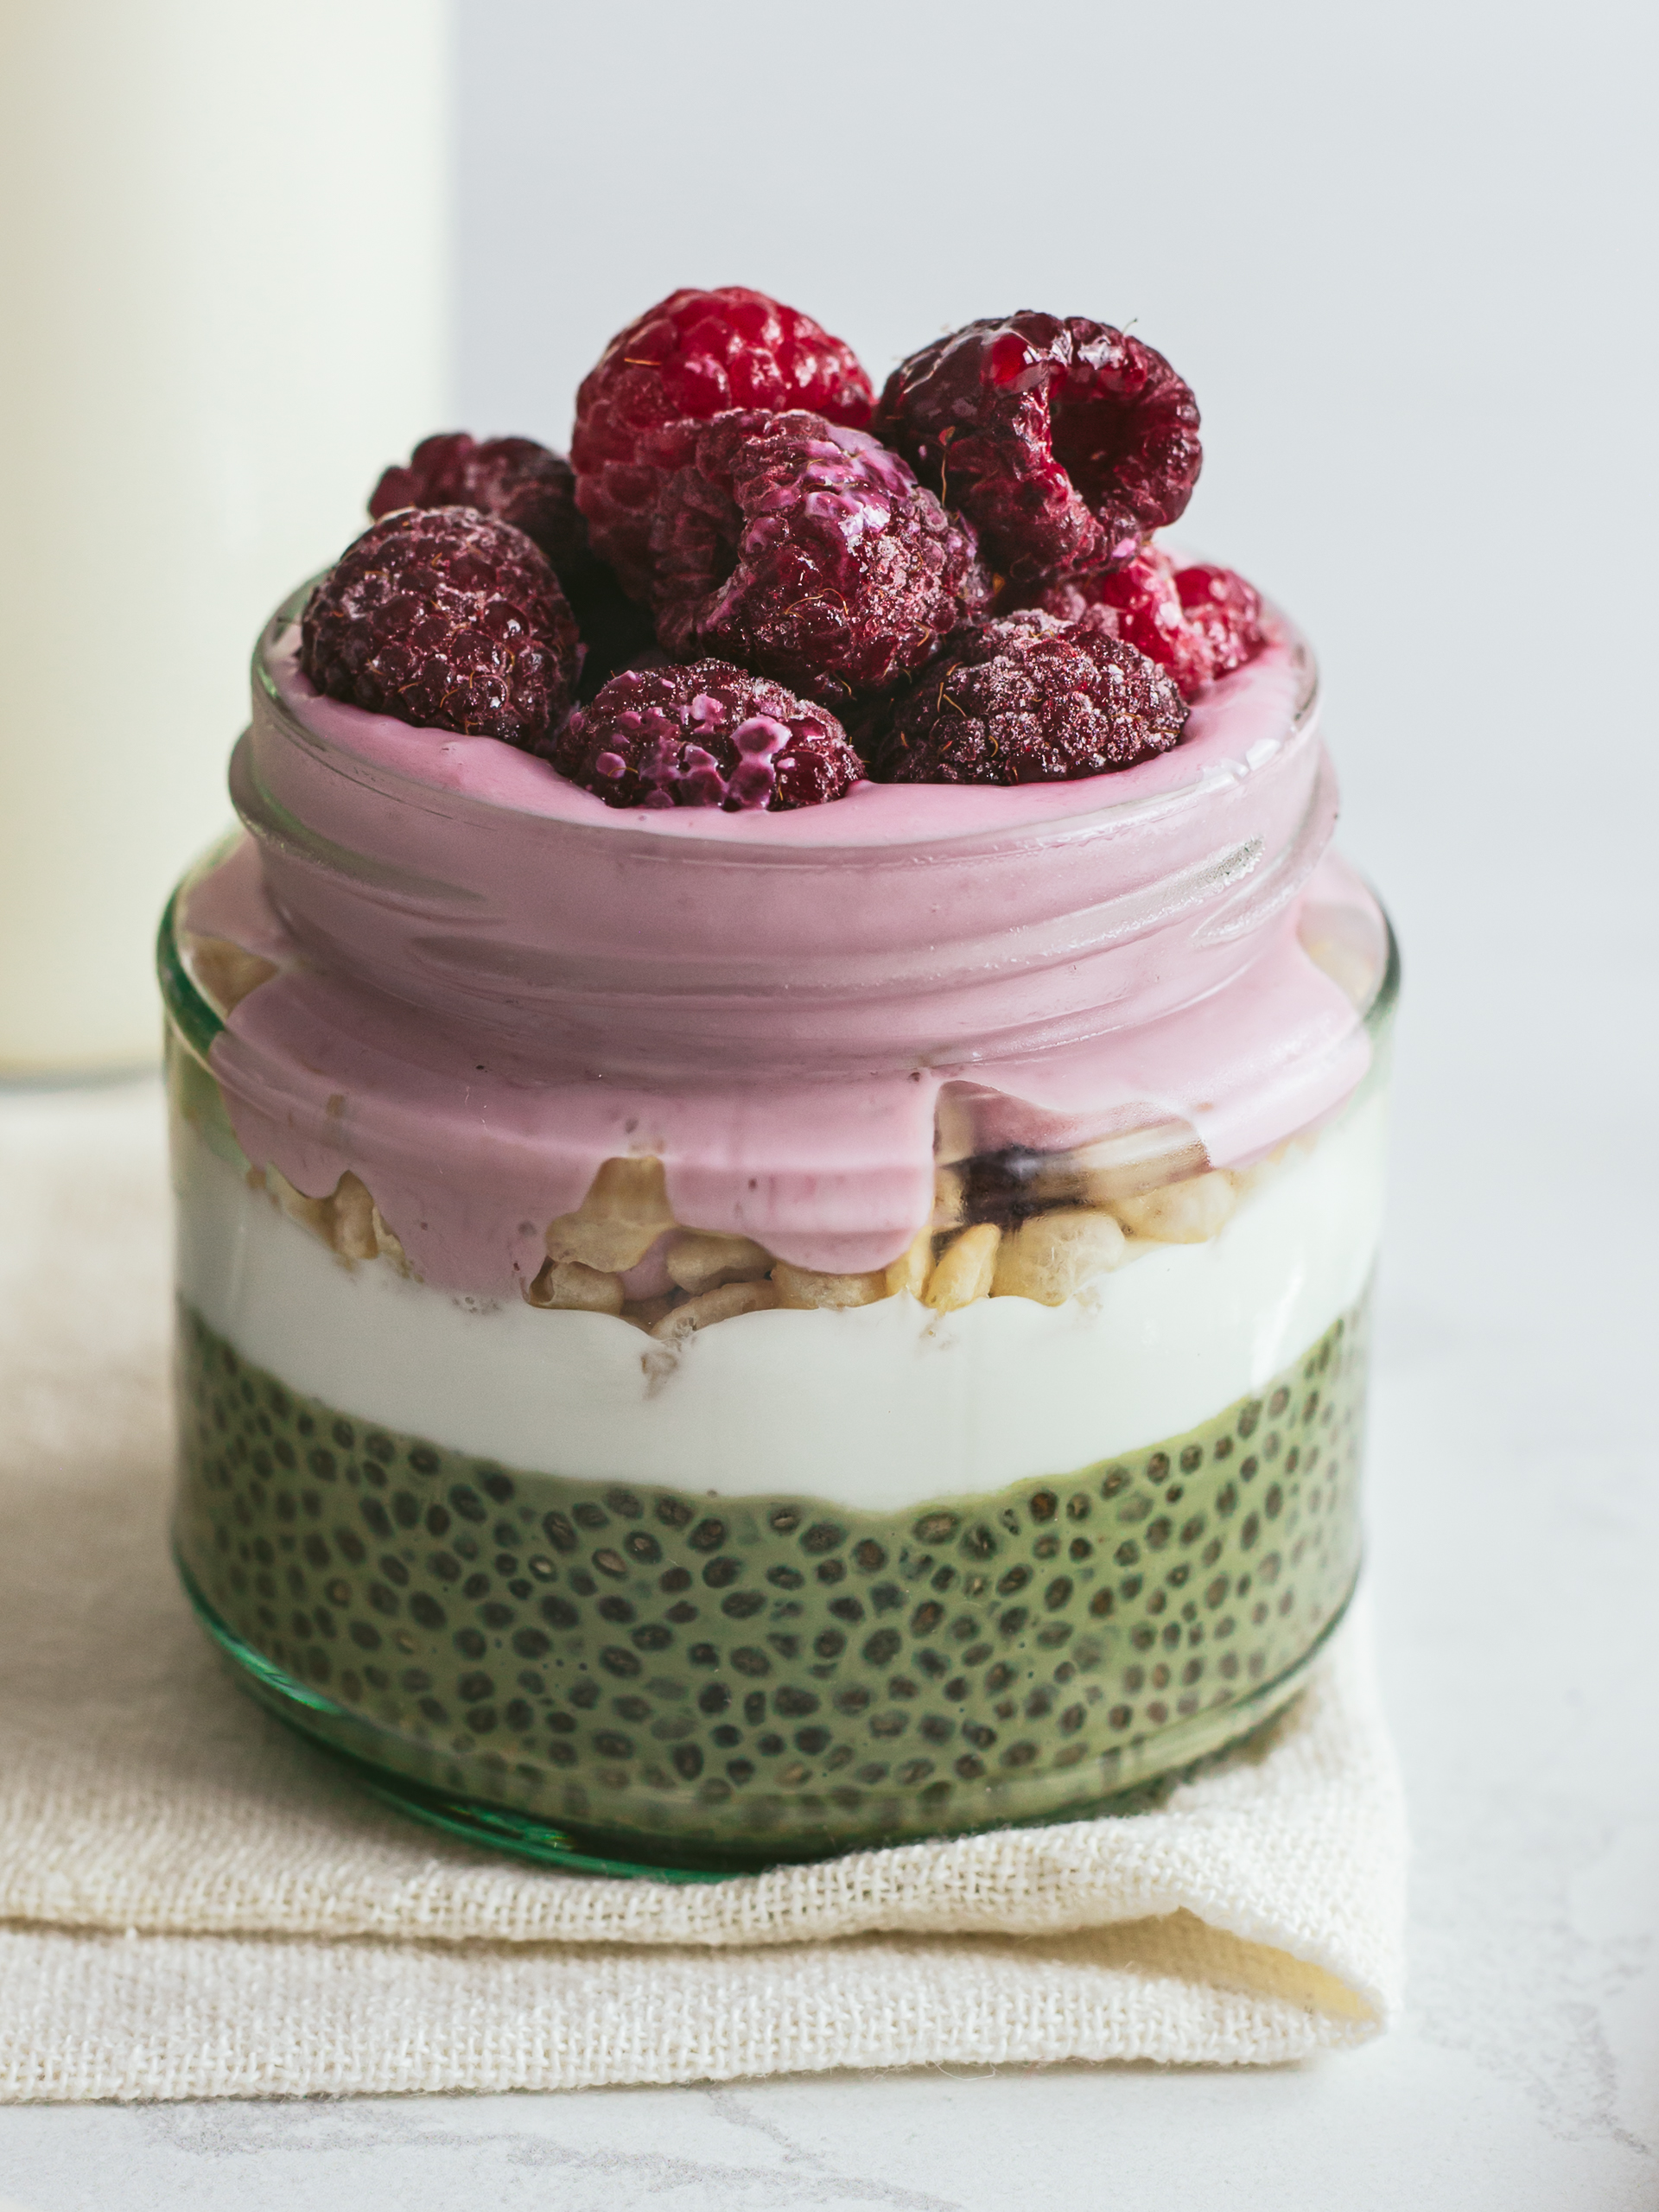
x=492, y=981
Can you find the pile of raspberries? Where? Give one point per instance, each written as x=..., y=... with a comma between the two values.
x=753, y=584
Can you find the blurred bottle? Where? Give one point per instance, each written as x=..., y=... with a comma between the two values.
x=224, y=250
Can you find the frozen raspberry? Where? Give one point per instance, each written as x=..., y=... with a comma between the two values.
x=1225, y=611
x=519, y=481
x=1146, y=608
x=804, y=551
x=512, y=479
x=693, y=355
x=708, y=735
x=1029, y=700
x=448, y=620
x=1199, y=623
x=1066, y=441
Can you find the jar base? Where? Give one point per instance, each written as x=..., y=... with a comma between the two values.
x=1176, y=1754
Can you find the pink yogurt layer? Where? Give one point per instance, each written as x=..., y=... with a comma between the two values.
x=492, y=981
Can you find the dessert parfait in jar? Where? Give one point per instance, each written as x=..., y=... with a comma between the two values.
x=777, y=1116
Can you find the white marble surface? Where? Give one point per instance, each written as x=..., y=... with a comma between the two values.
x=1436, y=179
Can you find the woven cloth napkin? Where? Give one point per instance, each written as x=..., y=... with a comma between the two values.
x=194, y=1903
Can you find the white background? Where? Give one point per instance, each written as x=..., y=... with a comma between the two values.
x=1405, y=256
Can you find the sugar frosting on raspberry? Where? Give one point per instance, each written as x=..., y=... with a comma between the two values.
x=1224, y=610
x=446, y=619
x=519, y=481
x=1028, y=700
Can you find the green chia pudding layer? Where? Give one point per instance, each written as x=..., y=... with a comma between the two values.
x=670, y=1675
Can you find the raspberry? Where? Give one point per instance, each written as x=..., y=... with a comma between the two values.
x=1066, y=441
x=1030, y=700
x=694, y=355
x=1199, y=623
x=519, y=481
x=1225, y=611
x=512, y=479
x=708, y=735
x=804, y=551
x=1146, y=608
x=448, y=620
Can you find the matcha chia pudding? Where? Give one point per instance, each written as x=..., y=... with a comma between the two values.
x=778, y=1115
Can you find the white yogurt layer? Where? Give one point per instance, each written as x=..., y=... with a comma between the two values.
x=880, y=1408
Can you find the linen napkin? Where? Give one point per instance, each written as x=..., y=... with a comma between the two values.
x=193, y=1903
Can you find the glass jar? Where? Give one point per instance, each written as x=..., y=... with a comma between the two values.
x=708, y=1340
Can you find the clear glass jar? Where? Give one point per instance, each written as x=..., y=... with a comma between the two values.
x=708, y=1339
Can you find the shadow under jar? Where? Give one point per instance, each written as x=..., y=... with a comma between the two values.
x=709, y=1340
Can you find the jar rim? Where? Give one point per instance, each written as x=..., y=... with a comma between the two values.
x=901, y=818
